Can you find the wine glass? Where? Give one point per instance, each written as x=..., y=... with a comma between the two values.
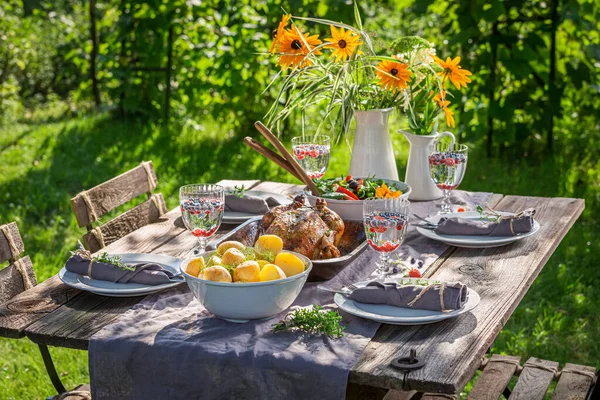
x=202, y=207
x=312, y=154
x=385, y=221
x=447, y=165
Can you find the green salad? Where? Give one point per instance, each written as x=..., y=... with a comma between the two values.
x=348, y=188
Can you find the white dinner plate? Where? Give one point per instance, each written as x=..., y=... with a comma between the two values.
x=237, y=217
x=401, y=315
x=111, y=289
x=473, y=242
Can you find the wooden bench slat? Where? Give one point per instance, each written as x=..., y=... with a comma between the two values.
x=5, y=252
x=114, y=193
x=394, y=394
x=533, y=382
x=494, y=378
x=141, y=215
x=500, y=275
x=571, y=385
x=11, y=280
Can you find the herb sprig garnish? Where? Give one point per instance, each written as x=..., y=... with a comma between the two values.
x=315, y=321
x=114, y=260
x=418, y=282
x=484, y=215
x=239, y=191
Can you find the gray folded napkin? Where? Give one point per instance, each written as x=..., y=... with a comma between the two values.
x=436, y=297
x=250, y=204
x=505, y=226
x=145, y=274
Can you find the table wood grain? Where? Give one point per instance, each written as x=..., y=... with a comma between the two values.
x=452, y=349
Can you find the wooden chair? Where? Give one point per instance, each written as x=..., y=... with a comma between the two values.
x=91, y=205
x=574, y=382
x=16, y=278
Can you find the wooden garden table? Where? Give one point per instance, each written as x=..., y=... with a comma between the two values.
x=55, y=314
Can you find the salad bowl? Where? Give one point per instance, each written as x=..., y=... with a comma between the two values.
x=242, y=302
x=352, y=210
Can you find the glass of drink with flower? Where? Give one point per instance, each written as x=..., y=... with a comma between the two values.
x=312, y=153
x=385, y=221
x=202, y=207
x=447, y=166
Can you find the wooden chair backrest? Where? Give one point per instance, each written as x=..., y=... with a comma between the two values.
x=90, y=205
x=18, y=276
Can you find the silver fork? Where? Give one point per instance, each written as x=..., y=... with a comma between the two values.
x=345, y=290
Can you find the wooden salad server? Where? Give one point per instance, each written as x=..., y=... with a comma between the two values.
x=286, y=154
x=271, y=155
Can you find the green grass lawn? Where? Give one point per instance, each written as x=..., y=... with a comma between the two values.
x=43, y=166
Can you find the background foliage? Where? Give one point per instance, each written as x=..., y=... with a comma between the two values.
x=536, y=62
x=51, y=147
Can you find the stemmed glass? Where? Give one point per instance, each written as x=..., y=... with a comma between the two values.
x=202, y=207
x=385, y=221
x=447, y=165
x=312, y=154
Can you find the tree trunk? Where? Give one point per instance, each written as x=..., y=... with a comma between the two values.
x=491, y=97
x=168, y=73
x=94, y=53
x=552, y=87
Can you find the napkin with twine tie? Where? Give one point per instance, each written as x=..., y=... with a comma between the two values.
x=509, y=225
x=82, y=263
x=445, y=296
x=249, y=203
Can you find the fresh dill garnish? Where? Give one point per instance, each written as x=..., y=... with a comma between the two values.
x=114, y=260
x=264, y=255
x=315, y=321
x=249, y=253
x=239, y=191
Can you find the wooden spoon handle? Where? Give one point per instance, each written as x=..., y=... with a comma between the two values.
x=286, y=154
x=271, y=155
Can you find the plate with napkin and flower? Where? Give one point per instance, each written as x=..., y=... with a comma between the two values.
x=479, y=229
x=240, y=207
x=120, y=275
x=407, y=301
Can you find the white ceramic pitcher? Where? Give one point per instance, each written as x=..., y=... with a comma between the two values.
x=417, y=170
x=372, y=152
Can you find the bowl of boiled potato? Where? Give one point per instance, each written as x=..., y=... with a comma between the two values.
x=241, y=283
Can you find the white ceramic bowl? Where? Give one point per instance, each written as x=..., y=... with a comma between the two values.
x=352, y=210
x=241, y=302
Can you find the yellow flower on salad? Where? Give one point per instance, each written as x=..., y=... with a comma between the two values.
x=384, y=192
x=279, y=32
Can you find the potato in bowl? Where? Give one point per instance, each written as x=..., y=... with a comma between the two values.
x=248, y=298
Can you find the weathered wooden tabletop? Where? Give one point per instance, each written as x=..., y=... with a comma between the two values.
x=55, y=314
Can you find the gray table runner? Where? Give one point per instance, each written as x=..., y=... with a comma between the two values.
x=169, y=346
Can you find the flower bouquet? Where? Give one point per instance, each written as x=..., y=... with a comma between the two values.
x=346, y=76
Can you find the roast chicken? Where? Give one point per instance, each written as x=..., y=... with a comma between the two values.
x=312, y=231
